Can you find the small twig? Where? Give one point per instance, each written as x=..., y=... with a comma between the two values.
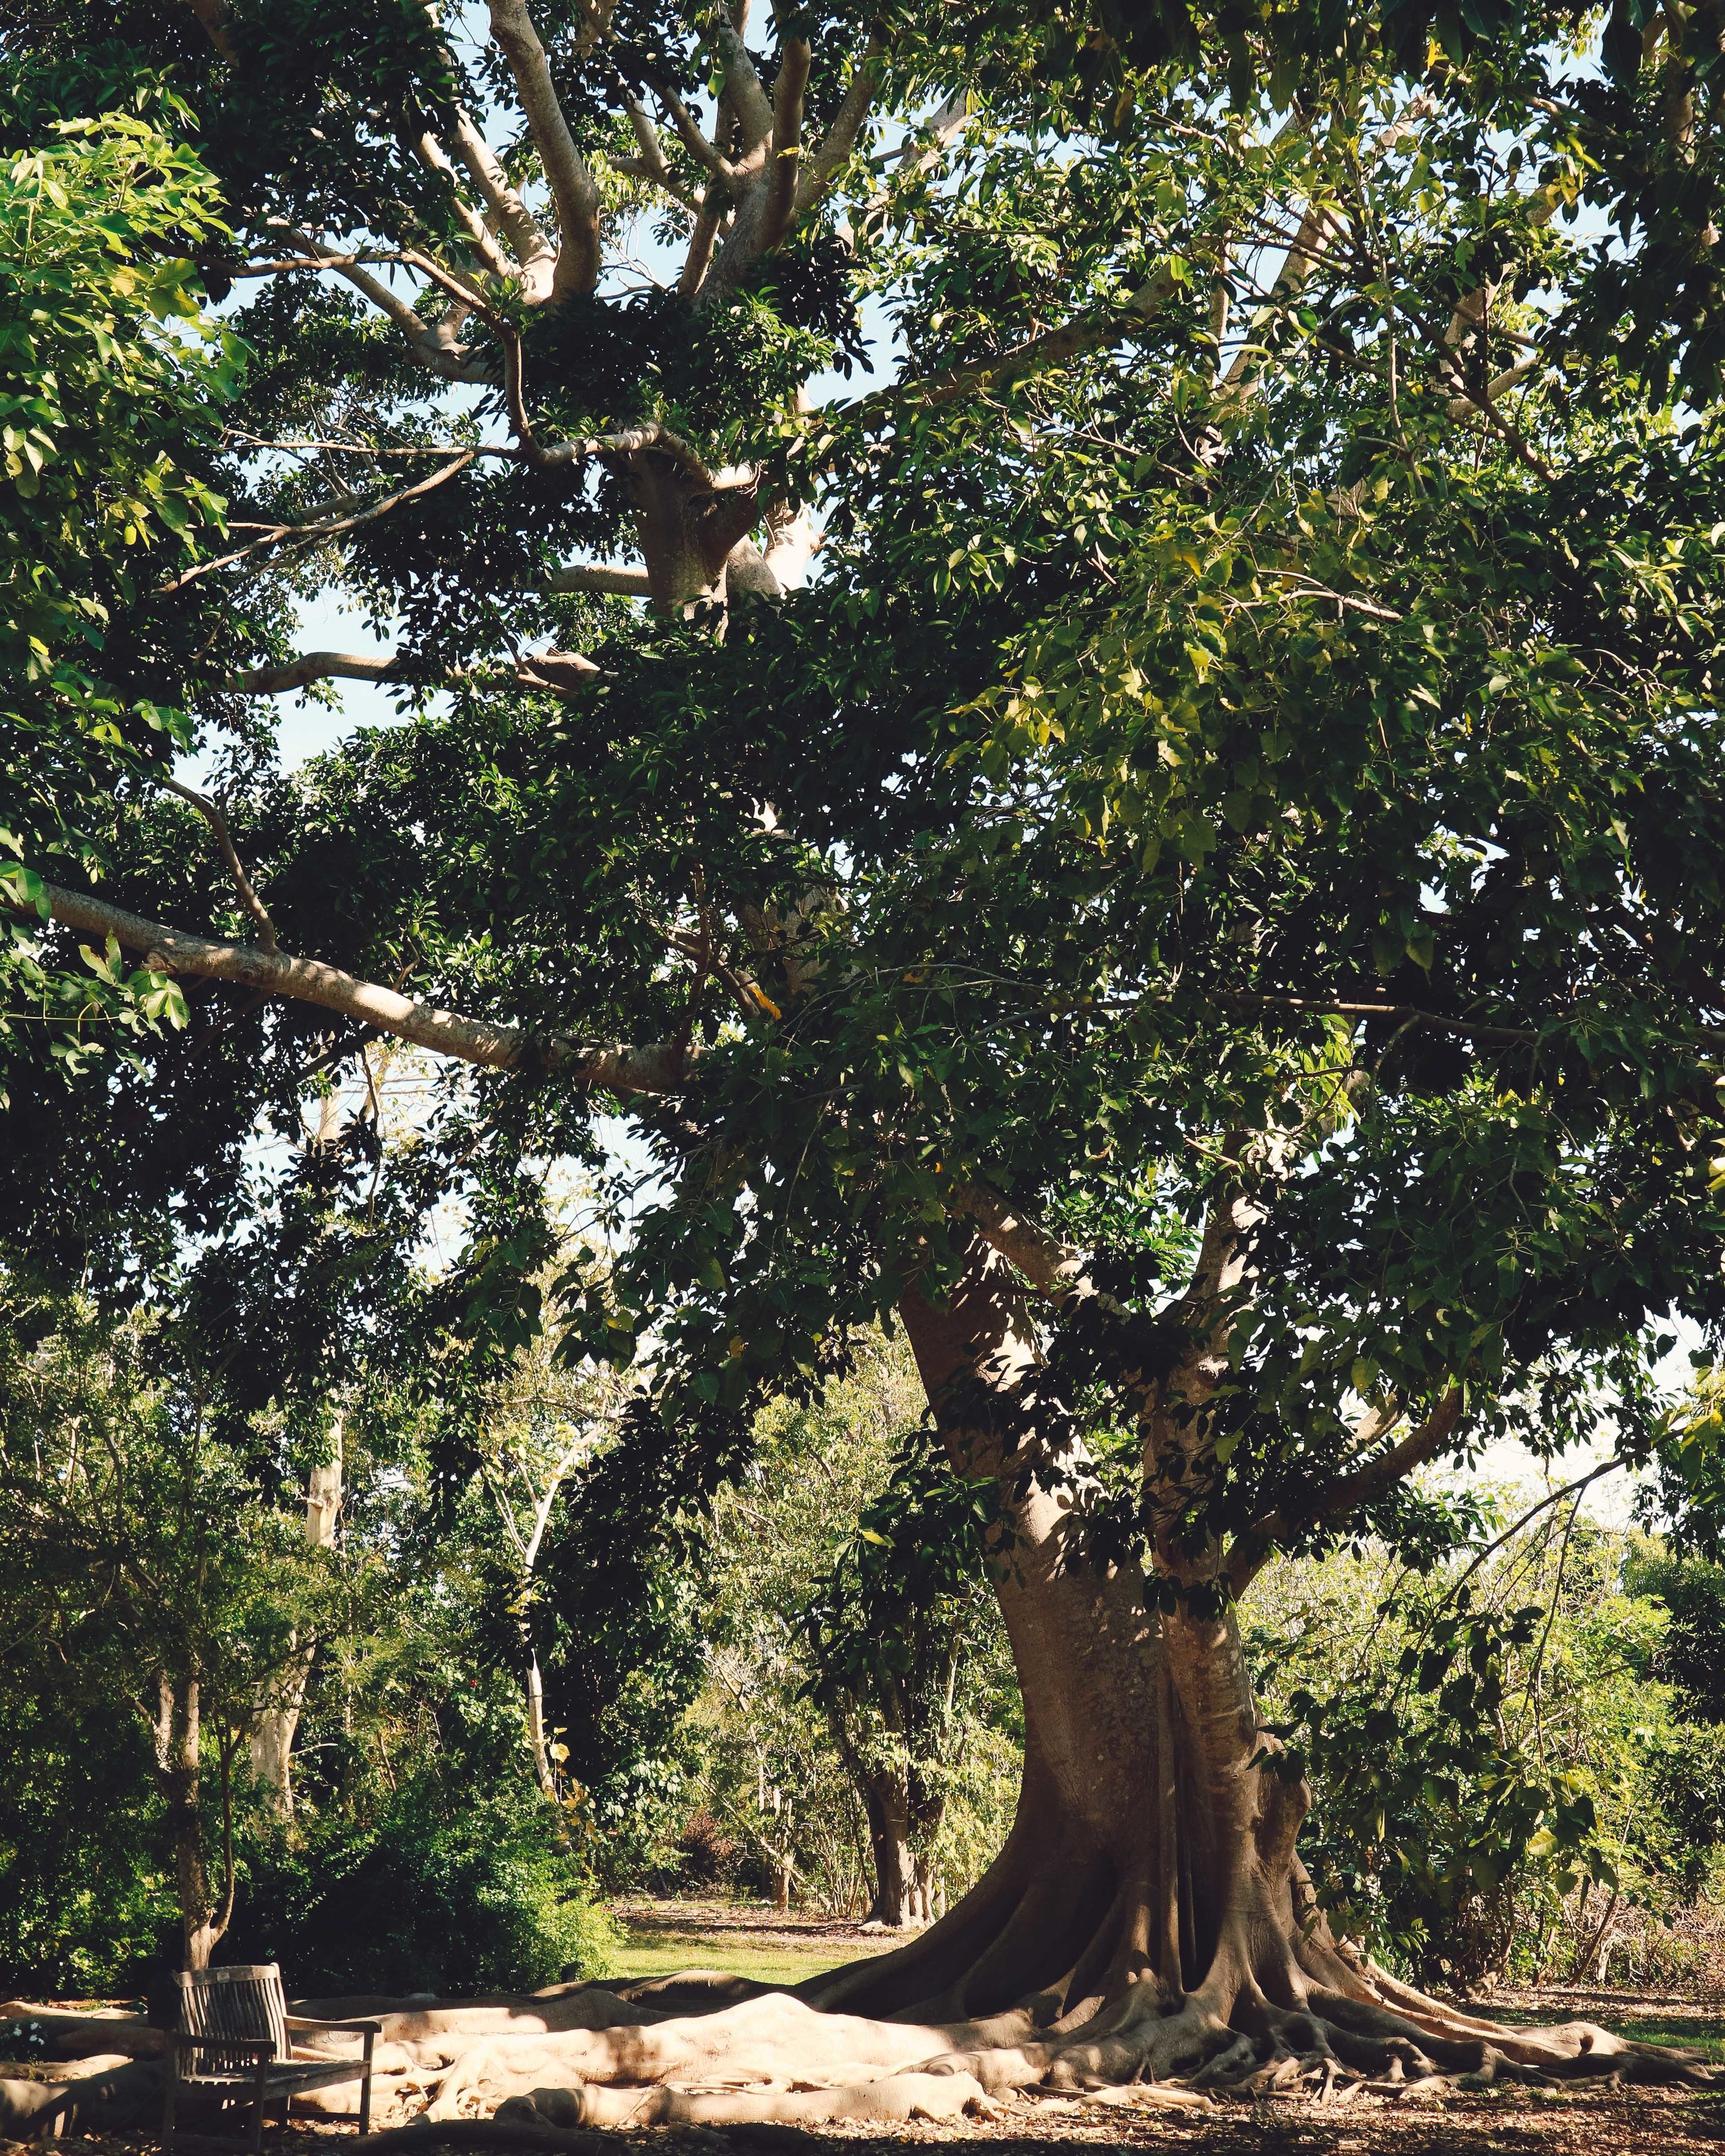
x=236, y=868
x=308, y=535
x=1511, y=1036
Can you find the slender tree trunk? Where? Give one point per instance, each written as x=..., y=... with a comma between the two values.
x=537, y=1743
x=178, y=1734
x=271, y=1744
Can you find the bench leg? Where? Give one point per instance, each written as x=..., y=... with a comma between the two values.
x=365, y=2089
x=169, y=2092
x=258, y=2108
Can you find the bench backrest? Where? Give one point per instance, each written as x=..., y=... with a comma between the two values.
x=243, y=2000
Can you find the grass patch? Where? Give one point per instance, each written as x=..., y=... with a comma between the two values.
x=666, y=1954
x=1704, y=2036
x=1645, y=2024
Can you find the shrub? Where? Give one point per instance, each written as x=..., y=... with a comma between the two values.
x=426, y=1898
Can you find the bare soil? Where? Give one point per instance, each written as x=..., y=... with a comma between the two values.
x=1490, y=2122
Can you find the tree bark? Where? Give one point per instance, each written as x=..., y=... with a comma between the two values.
x=538, y=1743
x=1148, y=1919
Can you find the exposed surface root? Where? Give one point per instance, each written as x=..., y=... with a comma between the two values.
x=80, y=2035
x=104, y=2092
x=558, y=2069
x=775, y=2059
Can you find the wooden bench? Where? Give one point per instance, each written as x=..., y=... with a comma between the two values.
x=234, y=2040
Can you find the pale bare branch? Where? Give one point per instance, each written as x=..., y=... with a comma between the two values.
x=572, y=190
x=626, y=442
x=704, y=153
x=651, y=165
x=373, y=449
x=532, y=250
x=659, y=1067
x=598, y=576
x=1466, y=408
x=315, y=666
x=1038, y=355
x=1288, y=282
x=820, y=170
x=748, y=99
x=1055, y=1267
x=312, y=535
x=431, y=154
x=561, y=672
x=433, y=344
x=702, y=240
x=214, y=15
x=1347, y=1493
x=661, y=176
x=789, y=87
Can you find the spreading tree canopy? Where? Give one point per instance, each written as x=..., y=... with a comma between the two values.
x=1166, y=840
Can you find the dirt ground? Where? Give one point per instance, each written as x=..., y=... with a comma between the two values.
x=1634, y=2123
x=1505, y=2121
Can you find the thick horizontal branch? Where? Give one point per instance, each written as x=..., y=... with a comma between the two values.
x=658, y=1068
x=559, y=671
x=598, y=576
x=314, y=666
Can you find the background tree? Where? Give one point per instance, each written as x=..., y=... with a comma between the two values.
x=158, y=1598
x=112, y=383
x=890, y=1629
x=855, y=1668
x=139, y=1579
x=1506, y=1783
x=1202, y=912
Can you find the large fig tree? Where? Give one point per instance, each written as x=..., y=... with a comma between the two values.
x=1168, y=842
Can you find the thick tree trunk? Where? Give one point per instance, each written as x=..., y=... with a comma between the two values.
x=1151, y=1862
x=271, y=1744
x=538, y=1743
